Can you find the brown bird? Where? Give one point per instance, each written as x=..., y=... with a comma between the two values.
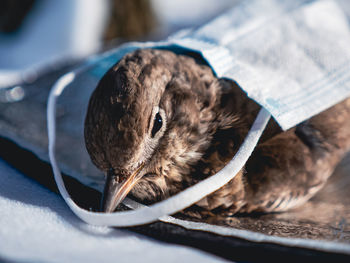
x=160, y=122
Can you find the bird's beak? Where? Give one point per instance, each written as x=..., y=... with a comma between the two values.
x=116, y=189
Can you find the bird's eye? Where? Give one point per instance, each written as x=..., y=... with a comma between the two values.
x=158, y=122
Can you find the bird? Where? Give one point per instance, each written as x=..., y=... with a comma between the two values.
x=159, y=122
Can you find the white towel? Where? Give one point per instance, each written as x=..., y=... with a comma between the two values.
x=37, y=226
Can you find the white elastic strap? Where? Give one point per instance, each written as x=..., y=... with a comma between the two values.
x=169, y=206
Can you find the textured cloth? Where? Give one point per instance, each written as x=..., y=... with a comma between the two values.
x=37, y=226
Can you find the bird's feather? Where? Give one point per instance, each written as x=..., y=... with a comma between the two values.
x=206, y=120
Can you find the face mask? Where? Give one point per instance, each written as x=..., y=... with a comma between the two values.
x=293, y=60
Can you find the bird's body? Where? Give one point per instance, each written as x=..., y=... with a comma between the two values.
x=159, y=122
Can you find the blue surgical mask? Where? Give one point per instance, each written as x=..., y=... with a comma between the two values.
x=291, y=57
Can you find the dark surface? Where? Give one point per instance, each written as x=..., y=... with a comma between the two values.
x=23, y=136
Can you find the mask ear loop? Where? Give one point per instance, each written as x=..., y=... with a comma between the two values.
x=178, y=202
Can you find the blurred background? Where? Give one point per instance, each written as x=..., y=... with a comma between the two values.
x=38, y=36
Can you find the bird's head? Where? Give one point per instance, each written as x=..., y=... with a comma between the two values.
x=146, y=125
